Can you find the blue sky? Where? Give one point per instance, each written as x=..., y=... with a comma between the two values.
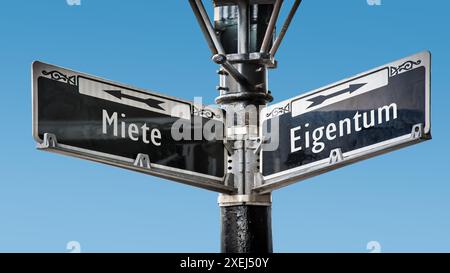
x=46, y=200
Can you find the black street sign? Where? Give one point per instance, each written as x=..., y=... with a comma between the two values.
x=373, y=113
x=99, y=120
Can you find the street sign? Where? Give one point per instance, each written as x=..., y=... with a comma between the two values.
x=100, y=120
x=373, y=113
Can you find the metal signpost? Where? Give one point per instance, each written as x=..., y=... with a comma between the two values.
x=251, y=148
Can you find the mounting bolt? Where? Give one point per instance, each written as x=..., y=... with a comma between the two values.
x=222, y=88
x=222, y=72
x=260, y=86
x=219, y=58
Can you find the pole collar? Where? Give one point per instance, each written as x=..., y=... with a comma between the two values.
x=225, y=200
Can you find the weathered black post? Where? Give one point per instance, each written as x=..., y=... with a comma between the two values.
x=242, y=42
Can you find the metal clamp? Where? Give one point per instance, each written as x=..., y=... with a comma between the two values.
x=252, y=58
x=229, y=179
x=225, y=200
x=259, y=180
x=49, y=141
x=233, y=71
x=238, y=144
x=142, y=161
x=255, y=145
x=336, y=156
x=228, y=146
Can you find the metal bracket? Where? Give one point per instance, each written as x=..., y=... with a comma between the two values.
x=336, y=156
x=143, y=161
x=49, y=141
x=229, y=179
x=228, y=146
x=252, y=58
x=417, y=131
x=255, y=145
x=238, y=144
x=222, y=60
x=259, y=179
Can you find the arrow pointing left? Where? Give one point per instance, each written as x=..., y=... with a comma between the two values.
x=150, y=102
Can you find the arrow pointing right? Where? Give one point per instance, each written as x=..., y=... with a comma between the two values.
x=322, y=98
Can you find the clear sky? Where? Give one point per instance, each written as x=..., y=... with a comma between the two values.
x=400, y=199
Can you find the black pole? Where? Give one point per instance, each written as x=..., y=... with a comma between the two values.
x=242, y=43
x=246, y=229
x=245, y=217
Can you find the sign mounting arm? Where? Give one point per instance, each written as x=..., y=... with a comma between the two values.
x=271, y=27
x=219, y=54
x=207, y=29
x=285, y=27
